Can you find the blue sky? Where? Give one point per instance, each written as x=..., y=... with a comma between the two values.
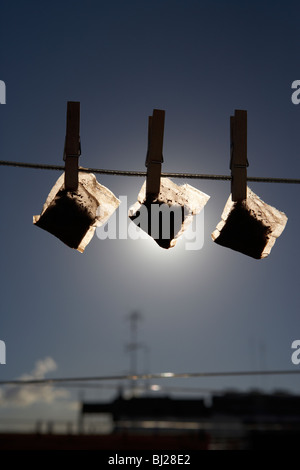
x=208, y=310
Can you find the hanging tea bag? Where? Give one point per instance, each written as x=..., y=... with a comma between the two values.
x=166, y=217
x=250, y=226
x=163, y=210
x=72, y=216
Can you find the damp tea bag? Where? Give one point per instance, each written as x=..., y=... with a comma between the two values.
x=72, y=216
x=166, y=217
x=250, y=226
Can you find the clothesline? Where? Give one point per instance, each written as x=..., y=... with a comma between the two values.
x=39, y=166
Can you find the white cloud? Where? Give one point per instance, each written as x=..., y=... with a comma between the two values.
x=26, y=395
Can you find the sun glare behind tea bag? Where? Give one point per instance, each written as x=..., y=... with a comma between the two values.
x=72, y=216
x=163, y=209
x=167, y=217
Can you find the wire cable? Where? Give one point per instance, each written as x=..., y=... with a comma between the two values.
x=39, y=166
x=160, y=375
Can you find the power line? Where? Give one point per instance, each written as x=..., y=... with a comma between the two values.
x=39, y=166
x=160, y=375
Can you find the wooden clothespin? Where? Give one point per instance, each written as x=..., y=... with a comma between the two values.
x=238, y=161
x=154, y=157
x=72, y=149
